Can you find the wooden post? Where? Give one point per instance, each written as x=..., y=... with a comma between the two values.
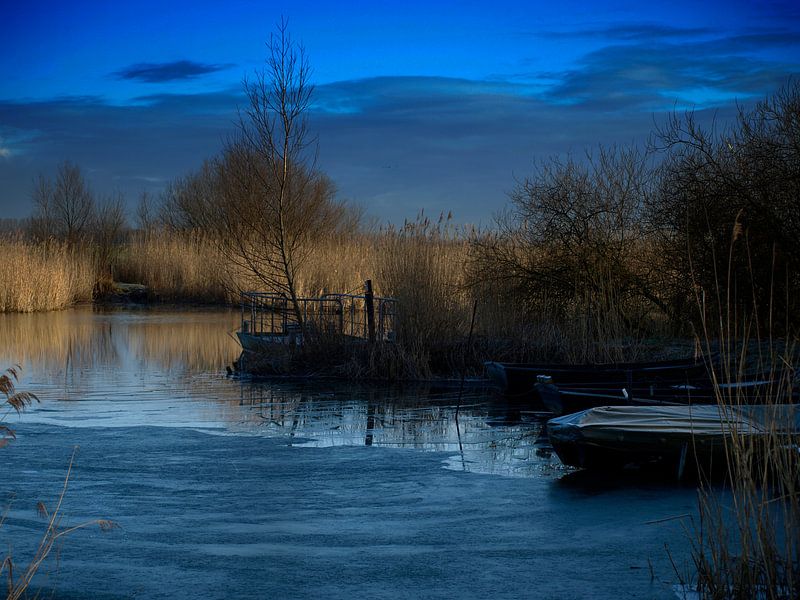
x=369, y=305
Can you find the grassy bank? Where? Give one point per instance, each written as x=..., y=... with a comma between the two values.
x=37, y=277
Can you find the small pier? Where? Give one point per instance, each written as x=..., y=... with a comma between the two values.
x=270, y=321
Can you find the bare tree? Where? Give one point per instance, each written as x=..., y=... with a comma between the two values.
x=107, y=227
x=65, y=207
x=72, y=203
x=574, y=227
x=266, y=200
x=145, y=214
x=42, y=222
x=727, y=208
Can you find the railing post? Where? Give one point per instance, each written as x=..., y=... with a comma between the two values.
x=369, y=305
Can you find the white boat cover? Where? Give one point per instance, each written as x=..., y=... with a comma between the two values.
x=698, y=420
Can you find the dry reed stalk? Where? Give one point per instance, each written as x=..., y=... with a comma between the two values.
x=748, y=541
x=17, y=587
x=747, y=544
x=18, y=401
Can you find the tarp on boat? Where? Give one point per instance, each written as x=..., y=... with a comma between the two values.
x=692, y=420
x=615, y=436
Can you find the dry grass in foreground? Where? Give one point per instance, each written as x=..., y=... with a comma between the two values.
x=747, y=543
x=18, y=583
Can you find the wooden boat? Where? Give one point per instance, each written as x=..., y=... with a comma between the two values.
x=567, y=399
x=612, y=437
x=519, y=379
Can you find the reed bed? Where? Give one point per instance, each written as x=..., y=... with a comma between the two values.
x=175, y=267
x=40, y=277
x=428, y=266
x=747, y=541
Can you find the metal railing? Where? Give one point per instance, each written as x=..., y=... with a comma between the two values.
x=330, y=314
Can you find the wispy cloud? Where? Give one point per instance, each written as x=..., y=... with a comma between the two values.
x=629, y=32
x=168, y=71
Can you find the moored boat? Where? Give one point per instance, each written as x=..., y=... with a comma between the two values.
x=519, y=379
x=612, y=437
x=566, y=399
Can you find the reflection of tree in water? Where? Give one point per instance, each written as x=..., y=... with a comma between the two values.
x=418, y=418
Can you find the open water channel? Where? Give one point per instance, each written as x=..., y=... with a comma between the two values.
x=224, y=488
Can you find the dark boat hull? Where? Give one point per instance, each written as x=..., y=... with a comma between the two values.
x=612, y=437
x=519, y=380
x=564, y=400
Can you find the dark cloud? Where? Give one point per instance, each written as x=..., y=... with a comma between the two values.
x=165, y=72
x=396, y=145
x=125, y=148
x=399, y=148
x=657, y=75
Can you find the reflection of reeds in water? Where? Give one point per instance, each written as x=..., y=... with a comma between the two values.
x=56, y=341
x=78, y=339
x=188, y=341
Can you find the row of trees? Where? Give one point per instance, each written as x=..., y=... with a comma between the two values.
x=66, y=208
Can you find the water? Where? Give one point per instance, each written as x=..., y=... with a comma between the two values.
x=225, y=488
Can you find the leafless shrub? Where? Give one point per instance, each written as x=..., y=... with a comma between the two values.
x=63, y=208
x=744, y=179
x=574, y=247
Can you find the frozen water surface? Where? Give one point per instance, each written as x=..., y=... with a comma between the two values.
x=232, y=489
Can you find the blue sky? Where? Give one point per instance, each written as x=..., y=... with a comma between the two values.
x=441, y=108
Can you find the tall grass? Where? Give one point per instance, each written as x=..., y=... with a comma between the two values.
x=428, y=266
x=747, y=544
x=38, y=277
x=175, y=267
